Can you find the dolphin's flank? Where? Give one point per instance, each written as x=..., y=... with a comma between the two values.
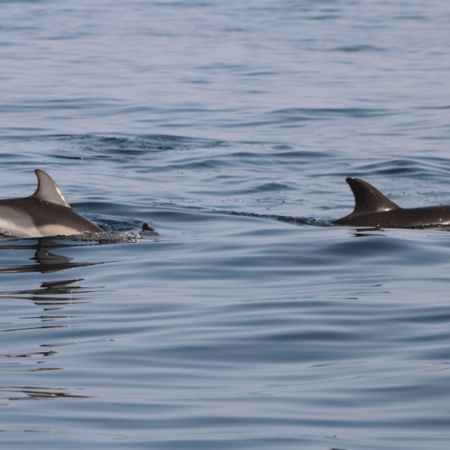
x=45, y=213
x=373, y=209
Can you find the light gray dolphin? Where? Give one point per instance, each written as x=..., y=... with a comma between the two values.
x=45, y=213
x=373, y=209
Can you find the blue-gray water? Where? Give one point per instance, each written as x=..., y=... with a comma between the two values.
x=248, y=322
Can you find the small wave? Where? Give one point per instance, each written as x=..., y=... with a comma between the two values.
x=286, y=219
x=105, y=237
x=109, y=237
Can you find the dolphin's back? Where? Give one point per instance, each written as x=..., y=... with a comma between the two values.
x=45, y=213
x=373, y=209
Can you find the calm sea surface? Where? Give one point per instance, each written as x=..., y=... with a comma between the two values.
x=248, y=321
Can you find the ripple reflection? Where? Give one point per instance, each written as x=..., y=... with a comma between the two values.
x=47, y=262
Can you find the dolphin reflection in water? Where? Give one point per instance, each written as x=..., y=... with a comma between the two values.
x=373, y=209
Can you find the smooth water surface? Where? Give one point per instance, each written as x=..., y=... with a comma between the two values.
x=248, y=321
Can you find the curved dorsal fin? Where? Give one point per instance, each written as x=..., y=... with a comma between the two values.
x=47, y=190
x=368, y=199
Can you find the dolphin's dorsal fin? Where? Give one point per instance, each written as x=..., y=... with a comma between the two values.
x=47, y=190
x=368, y=199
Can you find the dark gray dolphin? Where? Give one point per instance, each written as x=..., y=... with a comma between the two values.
x=373, y=209
x=45, y=213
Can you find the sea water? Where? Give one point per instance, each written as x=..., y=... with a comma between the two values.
x=248, y=321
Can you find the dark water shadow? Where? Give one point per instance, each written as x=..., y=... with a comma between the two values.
x=58, y=292
x=369, y=232
x=54, y=293
x=20, y=393
x=47, y=261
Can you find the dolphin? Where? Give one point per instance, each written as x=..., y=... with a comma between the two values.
x=373, y=209
x=45, y=213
